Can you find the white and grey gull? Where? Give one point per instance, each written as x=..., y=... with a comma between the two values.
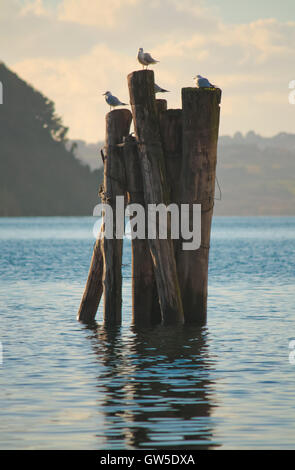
x=145, y=58
x=203, y=82
x=112, y=100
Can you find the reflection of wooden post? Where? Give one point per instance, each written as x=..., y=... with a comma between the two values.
x=197, y=184
x=146, y=125
x=145, y=302
x=117, y=126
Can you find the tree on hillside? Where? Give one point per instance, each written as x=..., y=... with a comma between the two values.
x=38, y=174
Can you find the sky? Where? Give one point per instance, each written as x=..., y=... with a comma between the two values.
x=75, y=50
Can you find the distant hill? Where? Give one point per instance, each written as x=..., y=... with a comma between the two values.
x=282, y=140
x=88, y=154
x=256, y=175
x=39, y=175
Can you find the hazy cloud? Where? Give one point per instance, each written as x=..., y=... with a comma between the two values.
x=78, y=49
x=104, y=13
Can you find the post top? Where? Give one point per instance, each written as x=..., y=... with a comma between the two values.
x=118, y=112
x=140, y=73
x=161, y=105
x=202, y=92
x=195, y=89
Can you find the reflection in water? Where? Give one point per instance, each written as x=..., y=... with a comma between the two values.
x=155, y=387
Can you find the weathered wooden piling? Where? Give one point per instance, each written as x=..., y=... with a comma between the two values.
x=93, y=289
x=117, y=127
x=145, y=300
x=161, y=106
x=105, y=267
x=171, y=135
x=171, y=159
x=201, y=110
x=146, y=125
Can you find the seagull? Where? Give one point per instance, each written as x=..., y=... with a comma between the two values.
x=203, y=82
x=112, y=100
x=145, y=58
x=158, y=89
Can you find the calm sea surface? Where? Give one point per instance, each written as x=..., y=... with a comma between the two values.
x=227, y=385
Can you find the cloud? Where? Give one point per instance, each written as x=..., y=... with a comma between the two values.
x=35, y=7
x=105, y=13
x=79, y=49
x=77, y=85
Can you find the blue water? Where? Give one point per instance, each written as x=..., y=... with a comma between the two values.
x=227, y=385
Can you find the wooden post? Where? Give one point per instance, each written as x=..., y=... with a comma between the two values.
x=145, y=300
x=161, y=106
x=146, y=125
x=93, y=289
x=117, y=127
x=171, y=160
x=171, y=133
x=200, y=133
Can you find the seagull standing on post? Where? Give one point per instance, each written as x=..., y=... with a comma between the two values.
x=203, y=82
x=145, y=59
x=112, y=100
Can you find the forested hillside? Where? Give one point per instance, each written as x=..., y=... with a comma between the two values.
x=38, y=174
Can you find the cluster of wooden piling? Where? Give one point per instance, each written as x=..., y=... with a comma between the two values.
x=171, y=158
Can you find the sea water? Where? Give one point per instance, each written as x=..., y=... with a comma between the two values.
x=229, y=384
